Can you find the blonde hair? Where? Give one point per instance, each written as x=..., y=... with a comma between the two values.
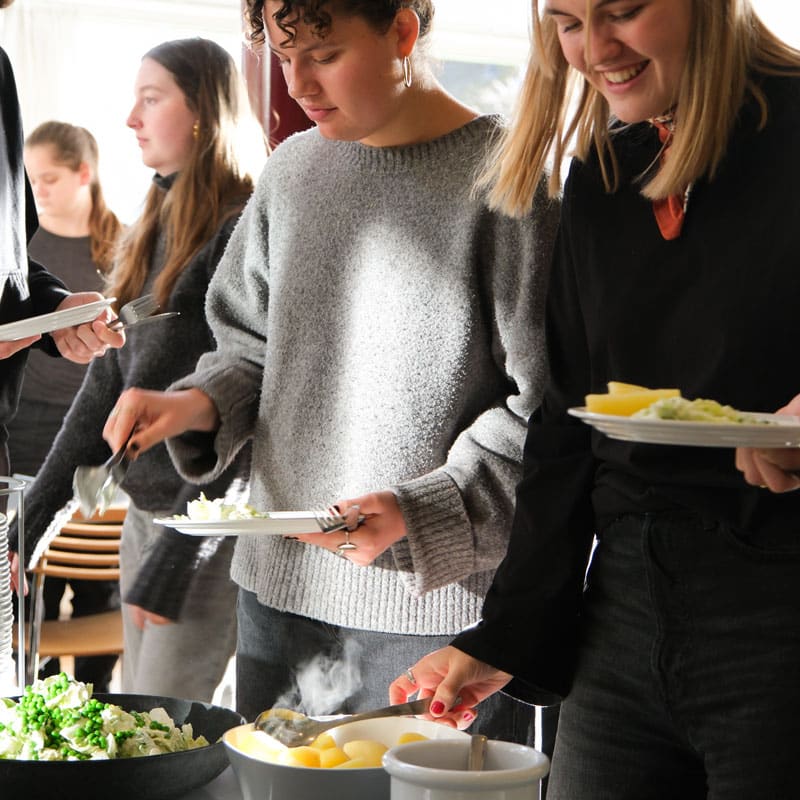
x=211, y=186
x=73, y=146
x=727, y=41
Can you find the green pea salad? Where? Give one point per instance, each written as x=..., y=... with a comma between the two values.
x=57, y=719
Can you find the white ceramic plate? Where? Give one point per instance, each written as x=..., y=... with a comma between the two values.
x=781, y=430
x=45, y=323
x=277, y=523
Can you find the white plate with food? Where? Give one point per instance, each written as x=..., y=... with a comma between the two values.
x=46, y=323
x=760, y=430
x=276, y=523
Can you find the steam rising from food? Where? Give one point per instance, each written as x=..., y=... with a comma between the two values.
x=323, y=684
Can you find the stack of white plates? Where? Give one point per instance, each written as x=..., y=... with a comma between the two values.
x=6, y=604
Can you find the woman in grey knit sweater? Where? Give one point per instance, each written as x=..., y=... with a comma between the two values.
x=172, y=588
x=379, y=340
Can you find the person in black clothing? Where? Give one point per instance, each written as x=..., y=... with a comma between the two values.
x=676, y=652
x=26, y=288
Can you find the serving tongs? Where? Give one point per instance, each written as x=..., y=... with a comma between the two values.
x=95, y=487
x=294, y=729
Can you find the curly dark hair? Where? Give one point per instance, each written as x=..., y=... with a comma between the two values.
x=378, y=13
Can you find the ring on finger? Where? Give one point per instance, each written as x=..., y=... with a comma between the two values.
x=346, y=544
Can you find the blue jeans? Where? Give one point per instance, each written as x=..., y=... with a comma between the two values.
x=688, y=681
x=274, y=645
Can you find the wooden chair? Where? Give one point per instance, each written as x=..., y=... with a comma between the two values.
x=83, y=550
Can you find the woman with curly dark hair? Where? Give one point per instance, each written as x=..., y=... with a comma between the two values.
x=379, y=339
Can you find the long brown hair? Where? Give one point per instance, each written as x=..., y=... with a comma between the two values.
x=73, y=146
x=727, y=41
x=211, y=186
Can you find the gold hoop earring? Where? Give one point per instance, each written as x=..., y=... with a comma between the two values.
x=196, y=130
x=406, y=71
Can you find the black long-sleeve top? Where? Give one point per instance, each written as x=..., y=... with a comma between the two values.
x=26, y=288
x=154, y=356
x=715, y=312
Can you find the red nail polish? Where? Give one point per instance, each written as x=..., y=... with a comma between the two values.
x=468, y=716
x=437, y=707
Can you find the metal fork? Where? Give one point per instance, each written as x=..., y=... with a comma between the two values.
x=331, y=519
x=142, y=309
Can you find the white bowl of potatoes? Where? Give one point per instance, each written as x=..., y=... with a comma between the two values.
x=343, y=763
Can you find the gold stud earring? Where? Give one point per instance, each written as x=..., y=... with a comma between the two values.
x=406, y=71
x=196, y=130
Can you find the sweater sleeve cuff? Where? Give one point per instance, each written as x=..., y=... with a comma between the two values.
x=202, y=457
x=165, y=576
x=438, y=542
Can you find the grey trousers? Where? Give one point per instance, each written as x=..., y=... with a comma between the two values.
x=187, y=658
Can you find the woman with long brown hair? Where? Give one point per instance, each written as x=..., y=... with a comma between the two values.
x=174, y=589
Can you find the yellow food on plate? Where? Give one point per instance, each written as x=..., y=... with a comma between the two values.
x=626, y=403
x=617, y=387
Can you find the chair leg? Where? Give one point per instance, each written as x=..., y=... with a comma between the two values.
x=34, y=629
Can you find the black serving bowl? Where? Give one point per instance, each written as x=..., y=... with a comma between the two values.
x=145, y=778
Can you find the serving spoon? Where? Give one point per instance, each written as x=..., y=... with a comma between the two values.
x=293, y=729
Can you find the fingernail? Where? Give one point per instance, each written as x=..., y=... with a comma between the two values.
x=468, y=716
x=437, y=707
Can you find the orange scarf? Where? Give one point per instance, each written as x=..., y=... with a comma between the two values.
x=670, y=211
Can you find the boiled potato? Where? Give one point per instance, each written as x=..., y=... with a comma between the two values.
x=324, y=742
x=323, y=752
x=356, y=763
x=300, y=757
x=332, y=757
x=367, y=750
x=411, y=736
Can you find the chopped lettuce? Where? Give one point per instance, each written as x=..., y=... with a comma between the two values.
x=205, y=510
x=57, y=719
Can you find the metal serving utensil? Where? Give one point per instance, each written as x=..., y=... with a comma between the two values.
x=477, y=750
x=293, y=729
x=95, y=487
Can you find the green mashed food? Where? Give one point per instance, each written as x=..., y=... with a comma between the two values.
x=57, y=719
x=699, y=410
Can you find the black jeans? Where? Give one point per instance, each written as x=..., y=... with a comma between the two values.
x=688, y=682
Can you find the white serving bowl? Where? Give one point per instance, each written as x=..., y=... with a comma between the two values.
x=260, y=779
x=437, y=770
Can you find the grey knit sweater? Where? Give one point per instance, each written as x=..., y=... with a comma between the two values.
x=377, y=328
